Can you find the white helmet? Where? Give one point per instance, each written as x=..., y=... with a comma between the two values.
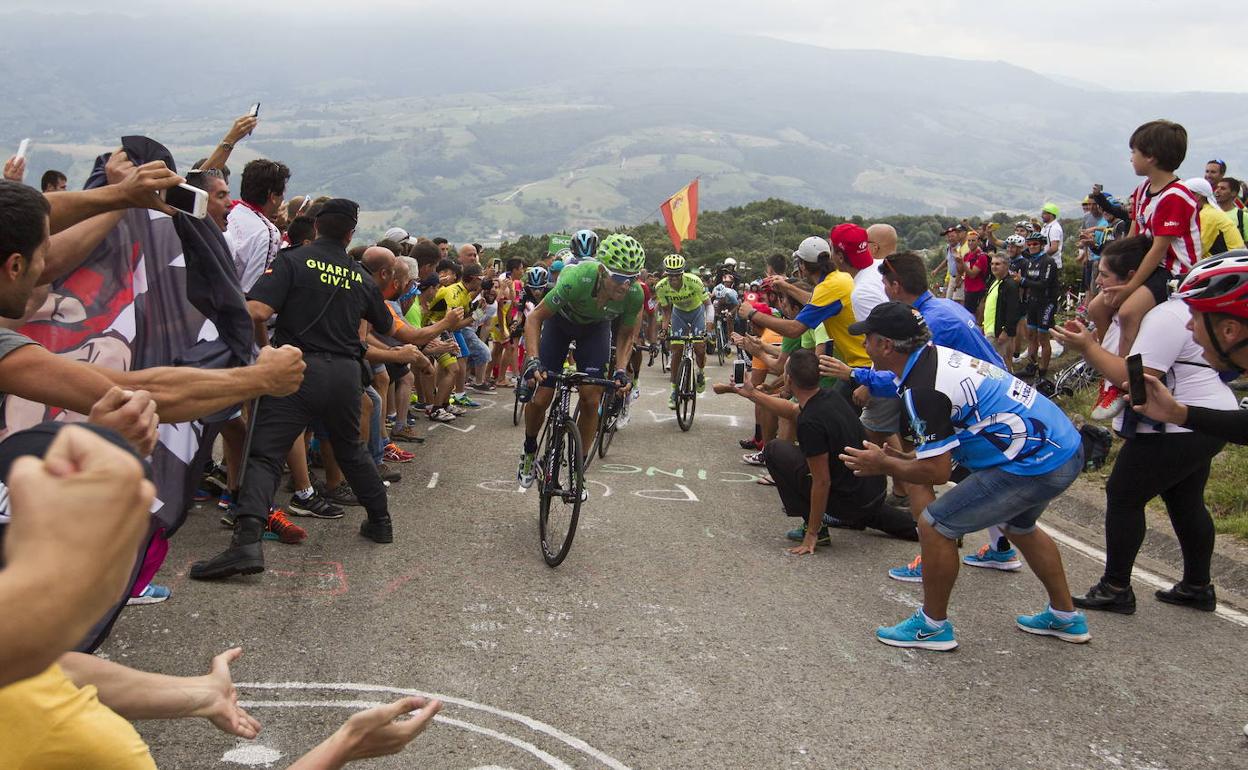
x=730, y=262
x=1016, y=240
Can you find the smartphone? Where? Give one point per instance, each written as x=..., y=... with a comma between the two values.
x=187, y=199
x=738, y=372
x=22, y=148
x=1135, y=380
x=255, y=110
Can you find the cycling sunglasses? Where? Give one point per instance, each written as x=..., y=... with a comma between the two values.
x=621, y=278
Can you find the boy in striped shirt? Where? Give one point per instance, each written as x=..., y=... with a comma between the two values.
x=1165, y=210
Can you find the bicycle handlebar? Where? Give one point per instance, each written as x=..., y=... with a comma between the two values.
x=577, y=379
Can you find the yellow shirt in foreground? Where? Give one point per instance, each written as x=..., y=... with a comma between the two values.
x=49, y=723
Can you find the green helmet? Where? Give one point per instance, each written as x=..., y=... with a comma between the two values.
x=622, y=254
x=674, y=263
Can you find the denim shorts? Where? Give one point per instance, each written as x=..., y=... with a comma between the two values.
x=689, y=323
x=478, y=351
x=993, y=497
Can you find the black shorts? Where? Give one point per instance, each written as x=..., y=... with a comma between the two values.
x=1159, y=284
x=396, y=371
x=593, y=343
x=1040, y=315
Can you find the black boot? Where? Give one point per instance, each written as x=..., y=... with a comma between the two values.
x=1102, y=596
x=1197, y=598
x=245, y=555
x=378, y=530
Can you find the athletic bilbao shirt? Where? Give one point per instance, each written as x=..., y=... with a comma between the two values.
x=1172, y=211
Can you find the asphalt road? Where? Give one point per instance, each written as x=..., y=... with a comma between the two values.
x=678, y=633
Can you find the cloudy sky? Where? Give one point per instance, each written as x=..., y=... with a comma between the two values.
x=1141, y=45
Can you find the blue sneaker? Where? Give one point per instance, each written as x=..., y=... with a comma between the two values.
x=153, y=594
x=1047, y=624
x=911, y=573
x=990, y=558
x=464, y=400
x=915, y=632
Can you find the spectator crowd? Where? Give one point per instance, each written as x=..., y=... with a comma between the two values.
x=875, y=379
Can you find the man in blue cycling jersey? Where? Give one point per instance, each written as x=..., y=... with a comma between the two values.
x=1020, y=449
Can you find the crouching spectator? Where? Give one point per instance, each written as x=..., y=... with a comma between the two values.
x=813, y=484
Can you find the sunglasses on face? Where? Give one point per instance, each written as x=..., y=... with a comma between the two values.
x=623, y=279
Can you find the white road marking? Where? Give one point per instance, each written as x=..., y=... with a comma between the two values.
x=1143, y=575
x=665, y=494
x=549, y=759
x=606, y=493
x=433, y=480
x=529, y=722
x=437, y=425
x=251, y=755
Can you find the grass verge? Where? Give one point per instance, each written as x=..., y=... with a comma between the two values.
x=1226, y=493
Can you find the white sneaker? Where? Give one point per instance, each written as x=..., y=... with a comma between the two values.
x=527, y=472
x=441, y=415
x=455, y=411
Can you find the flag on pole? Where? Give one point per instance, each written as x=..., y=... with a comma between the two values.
x=681, y=214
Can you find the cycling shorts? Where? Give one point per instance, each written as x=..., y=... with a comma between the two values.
x=688, y=323
x=593, y=343
x=1040, y=315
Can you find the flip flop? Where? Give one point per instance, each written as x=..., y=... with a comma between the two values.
x=765, y=480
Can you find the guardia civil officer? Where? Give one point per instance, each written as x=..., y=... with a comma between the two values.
x=320, y=296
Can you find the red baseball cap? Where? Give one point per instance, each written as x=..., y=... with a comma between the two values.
x=762, y=307
x=852, y=240
x=751, y=297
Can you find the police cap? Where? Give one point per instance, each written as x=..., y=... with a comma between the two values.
x=341, y=206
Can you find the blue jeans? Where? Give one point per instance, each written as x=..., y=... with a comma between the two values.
x=376, y=446
x=993, y=497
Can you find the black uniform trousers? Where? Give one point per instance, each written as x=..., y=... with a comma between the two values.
x=787, y=466
x=331, y=393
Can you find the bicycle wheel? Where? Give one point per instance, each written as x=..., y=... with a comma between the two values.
x=607, y=429
x=666, y=358
x=686, y=395
x=517, y=408
x=603, y=425
x=721, y=342
x=560, y=502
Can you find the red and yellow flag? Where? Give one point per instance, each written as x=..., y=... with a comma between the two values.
x=681, y=214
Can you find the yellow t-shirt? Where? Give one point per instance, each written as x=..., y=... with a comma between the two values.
x=1214, y=222
x=830, y=305
x=49, y=723
x=447, y=297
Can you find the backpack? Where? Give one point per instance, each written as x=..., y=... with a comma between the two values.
x=1096, y=443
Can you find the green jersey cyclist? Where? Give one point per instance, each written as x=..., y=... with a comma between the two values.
x=686, y=307
x=580, y=307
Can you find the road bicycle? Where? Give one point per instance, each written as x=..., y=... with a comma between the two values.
x=561, y=468
x=723, y=335
x=686, y=381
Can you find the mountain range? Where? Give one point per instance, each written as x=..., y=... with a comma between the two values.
x=482, y=131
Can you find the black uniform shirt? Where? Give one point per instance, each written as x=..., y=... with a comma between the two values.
x=320, y=294
x=825, y=426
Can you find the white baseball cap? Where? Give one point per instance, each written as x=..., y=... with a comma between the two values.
x=398, y=235
x=1200, y=186
x=811, y=248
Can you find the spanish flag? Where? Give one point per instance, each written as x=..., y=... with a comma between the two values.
x=681, y=214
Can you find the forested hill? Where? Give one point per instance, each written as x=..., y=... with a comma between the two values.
x=739, y=232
